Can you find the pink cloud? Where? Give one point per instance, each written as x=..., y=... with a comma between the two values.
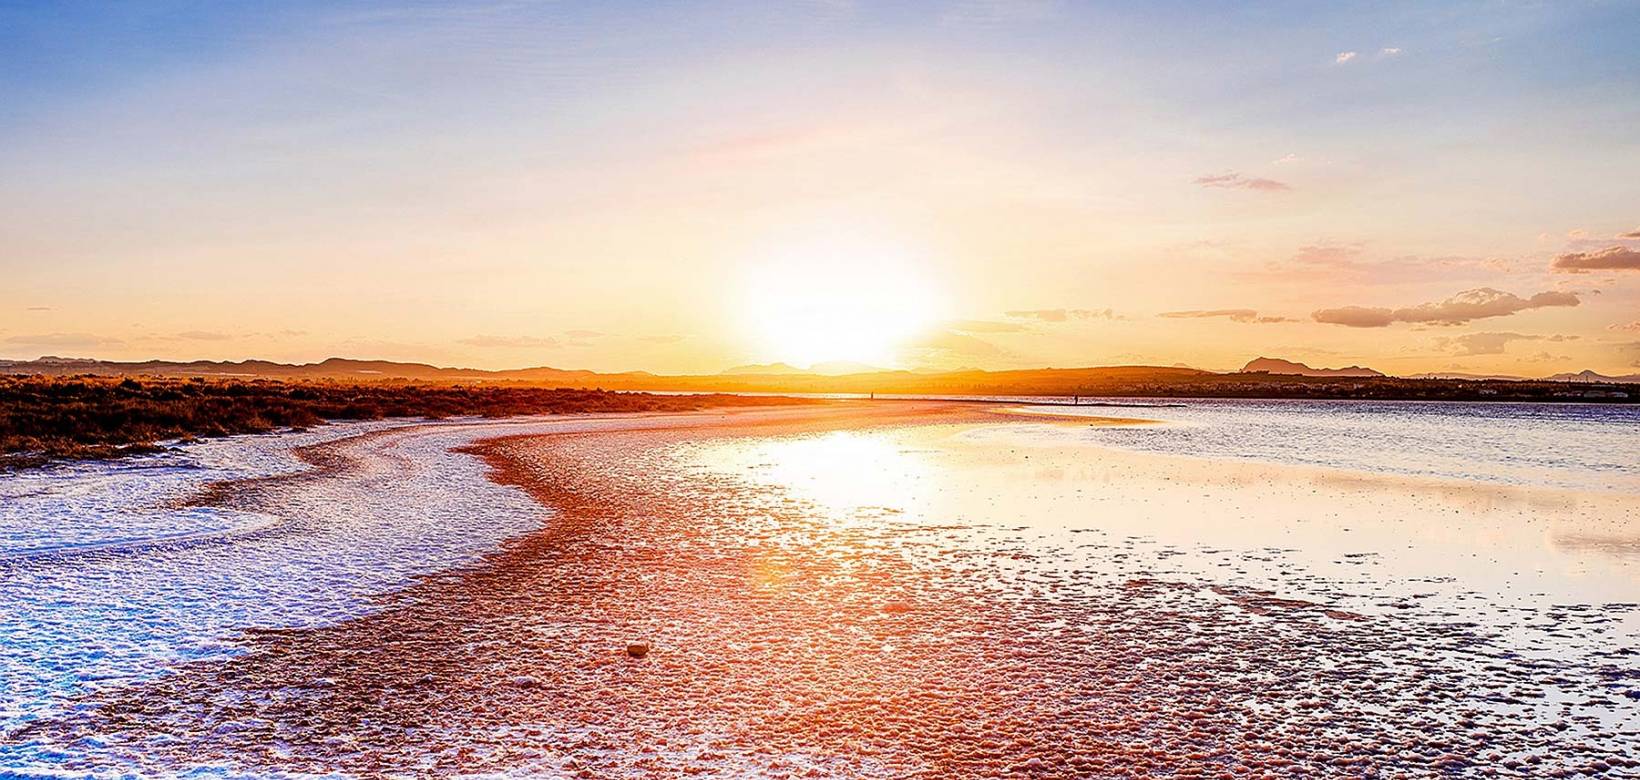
x=1233, y=180
x=1616, y=258
x=1355, y=316
x=1472, y=344
x=1469, y=305
x=1480, y=304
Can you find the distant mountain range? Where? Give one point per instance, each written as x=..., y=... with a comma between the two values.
x=772, y=377
x=350, y=369
x=334, y=368
x=1581, y=376
x=1590, y=376
x=1287, y=367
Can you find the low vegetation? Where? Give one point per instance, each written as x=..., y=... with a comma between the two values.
x=56, y=418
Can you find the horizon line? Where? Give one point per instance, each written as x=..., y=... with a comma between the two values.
x=811, y=372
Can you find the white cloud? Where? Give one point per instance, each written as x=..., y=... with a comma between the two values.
x=1389, y=51
x=1343, y=57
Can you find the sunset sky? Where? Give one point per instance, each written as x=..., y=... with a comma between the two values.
x=686, y=187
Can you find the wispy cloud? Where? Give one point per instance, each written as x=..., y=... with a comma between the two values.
x=1063, y=315
x=1329, y=254
x=203, y=335
x=1000, y=11
x=64, y=340
x=1472, y=344
x=984, y=326
x=1469, y=305
x=1233, y=180
x=1331, y=262
x=1616, y=258
x=948, y=349
x=509, y=342
x=1234, y=315
x=1385, y=52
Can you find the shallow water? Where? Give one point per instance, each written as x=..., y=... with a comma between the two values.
x=1378, y=538
x=1536, y=572
x=1582, y=446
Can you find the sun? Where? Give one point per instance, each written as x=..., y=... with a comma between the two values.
x=837, y=303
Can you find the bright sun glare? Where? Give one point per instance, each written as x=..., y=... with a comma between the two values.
x=838, y=304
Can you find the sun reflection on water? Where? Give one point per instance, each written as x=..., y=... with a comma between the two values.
x=843, y=473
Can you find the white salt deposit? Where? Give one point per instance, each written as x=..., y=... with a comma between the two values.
x=105, y=578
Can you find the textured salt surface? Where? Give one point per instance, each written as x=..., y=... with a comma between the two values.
x=107, y=576
x=94, y=504
x=801, y=627
x=1580, y=446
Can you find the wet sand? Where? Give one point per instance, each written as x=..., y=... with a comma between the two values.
x=794, y=636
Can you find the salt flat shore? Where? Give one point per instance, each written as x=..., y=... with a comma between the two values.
x=904, y=590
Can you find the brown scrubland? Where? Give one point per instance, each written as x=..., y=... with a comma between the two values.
x=43, y=419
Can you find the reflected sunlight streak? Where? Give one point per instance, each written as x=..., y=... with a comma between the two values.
x=843, y=472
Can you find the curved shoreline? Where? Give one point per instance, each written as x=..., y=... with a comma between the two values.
x=789, y=642
x=322, y=459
